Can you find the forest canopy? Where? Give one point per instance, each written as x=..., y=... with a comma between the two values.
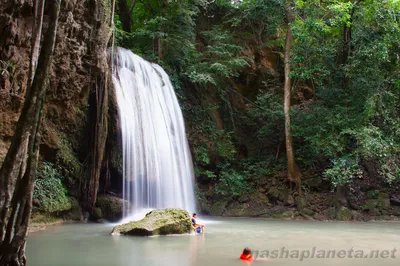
x=344, y=71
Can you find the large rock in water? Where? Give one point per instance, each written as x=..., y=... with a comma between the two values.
x=158, y=222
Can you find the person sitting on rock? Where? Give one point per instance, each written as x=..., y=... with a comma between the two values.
x=197, y=225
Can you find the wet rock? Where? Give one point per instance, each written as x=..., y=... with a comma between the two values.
x=300, y=202
x=313, y=182
x=85, y=217
x=75, y=213
x=344, y=214
x=330, y=213
x=263, y=197
x=158, y=222
x=237, y=210
x=371, y=204
x=284, y=215
x=218, y=208
x=273, y=194
x=384, y=200
x=395, y=201
x=319, y=217
x=205, y=206
x=110, y=207
x=250, y=209
x=97, y=214
x=396, y=210
x=307, y=212
x=357, y=216
x=289, y=200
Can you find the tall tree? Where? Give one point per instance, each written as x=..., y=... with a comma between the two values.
x=18, y=171
x=294, y=174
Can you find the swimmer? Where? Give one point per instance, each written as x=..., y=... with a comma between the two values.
x=246, y=255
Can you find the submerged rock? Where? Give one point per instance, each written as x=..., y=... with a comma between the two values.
x=158, y=222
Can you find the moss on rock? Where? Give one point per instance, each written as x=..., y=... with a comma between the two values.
x=344, y=214
x=218, y=208
x=158, y=222
x=110, y=206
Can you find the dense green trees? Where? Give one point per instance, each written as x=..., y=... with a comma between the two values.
x=343, y=93
x=348, y=51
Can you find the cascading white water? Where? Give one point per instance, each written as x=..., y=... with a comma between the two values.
x=157, y=165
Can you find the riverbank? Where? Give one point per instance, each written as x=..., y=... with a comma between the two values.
x=41, y=221
x=364, y=199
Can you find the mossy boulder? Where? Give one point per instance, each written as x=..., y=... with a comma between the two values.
x=75, y=213
x=97, y=214
x=218, y=208
x=344, y=214
x=307, y=212
x=273, y=195
x=250, y=209
x=111, y=207
x=384, y=200
x=289, y=200
x=372, y=205
x=236, y=210
x=281, y=214
x=330, y=213
x=158, y=222
x=396, y=210
x=301, y=202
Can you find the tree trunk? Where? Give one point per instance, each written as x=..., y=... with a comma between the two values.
x=294, y=174
x=159, y=40
x=99, y=126
x=125, y=14
x=24, y=150
x=36, y=36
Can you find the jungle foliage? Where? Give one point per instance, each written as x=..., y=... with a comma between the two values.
x=345, y=82
x=49, y=190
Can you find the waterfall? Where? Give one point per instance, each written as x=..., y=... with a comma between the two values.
x=157, y=165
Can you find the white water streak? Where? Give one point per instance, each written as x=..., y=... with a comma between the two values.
x=157, y=165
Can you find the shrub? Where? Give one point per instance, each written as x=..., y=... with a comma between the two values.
x=49, y=190
x=232, y=184
x=343, y=171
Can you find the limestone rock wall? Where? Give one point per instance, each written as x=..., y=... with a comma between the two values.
x=80, y=58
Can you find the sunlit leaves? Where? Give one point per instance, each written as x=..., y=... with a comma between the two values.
x=220, y=60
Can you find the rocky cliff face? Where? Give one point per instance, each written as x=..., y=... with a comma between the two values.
x=80, y=59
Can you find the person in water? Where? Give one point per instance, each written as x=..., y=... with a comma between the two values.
x=195, y=224
x=246, y=255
